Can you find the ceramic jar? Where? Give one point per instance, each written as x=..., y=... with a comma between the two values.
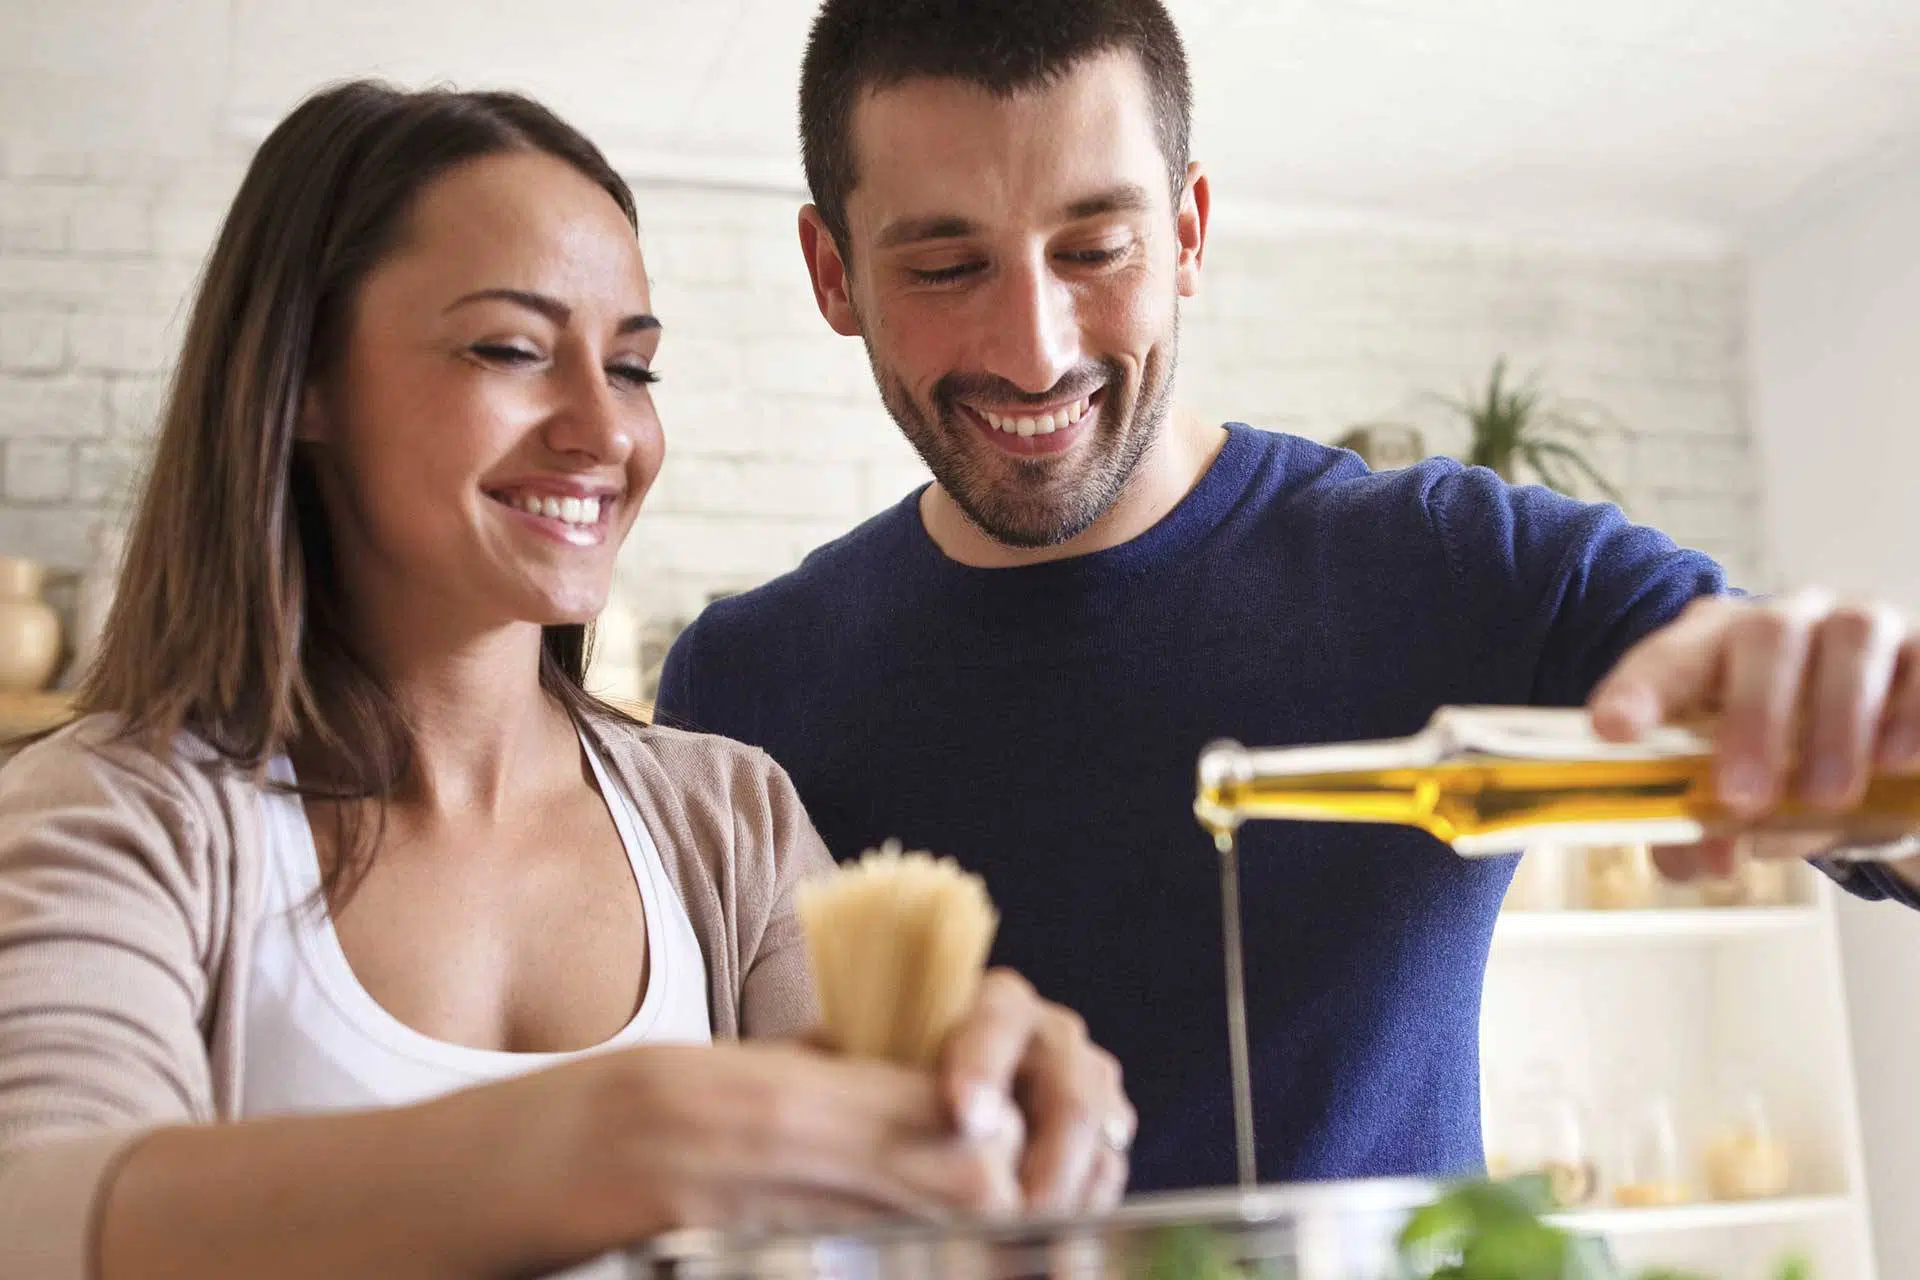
x=1621, y=878
x=29, y=628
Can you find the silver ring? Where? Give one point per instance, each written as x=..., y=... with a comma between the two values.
x=1117, y=1134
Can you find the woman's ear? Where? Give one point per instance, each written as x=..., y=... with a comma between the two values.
x=313, y=424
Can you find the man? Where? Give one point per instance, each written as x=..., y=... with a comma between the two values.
x=1018, y=665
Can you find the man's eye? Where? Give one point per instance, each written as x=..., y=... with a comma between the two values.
x=946, y=275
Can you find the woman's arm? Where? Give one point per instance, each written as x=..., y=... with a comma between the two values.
x=113, y=920
x=390, y=1193
x=549, y=1169
x=776, y=991
x=112, y=911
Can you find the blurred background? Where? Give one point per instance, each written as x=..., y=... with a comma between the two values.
x=1695, y=223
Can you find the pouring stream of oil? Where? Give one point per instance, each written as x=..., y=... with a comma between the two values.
x=1227, y=841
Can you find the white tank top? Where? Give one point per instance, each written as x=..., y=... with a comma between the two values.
x=317, y=1041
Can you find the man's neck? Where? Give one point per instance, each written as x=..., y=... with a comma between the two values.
x=1167, y=473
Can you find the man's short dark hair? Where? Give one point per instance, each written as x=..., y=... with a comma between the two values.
x=1004, y=46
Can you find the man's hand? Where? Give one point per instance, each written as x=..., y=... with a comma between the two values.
x=1812, y=696
x=1014, y=1045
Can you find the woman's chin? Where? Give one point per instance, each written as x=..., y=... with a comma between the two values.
x=570, y=608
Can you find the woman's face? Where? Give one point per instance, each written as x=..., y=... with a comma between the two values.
x=488, y=434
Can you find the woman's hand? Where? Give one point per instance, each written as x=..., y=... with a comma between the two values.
x=616, y=1148
x=1016, y=1045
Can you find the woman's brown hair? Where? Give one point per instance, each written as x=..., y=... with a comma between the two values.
x=226, y=624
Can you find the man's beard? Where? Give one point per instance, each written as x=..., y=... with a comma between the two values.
x=1048, y=499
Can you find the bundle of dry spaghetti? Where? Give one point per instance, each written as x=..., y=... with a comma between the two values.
x=898, y=943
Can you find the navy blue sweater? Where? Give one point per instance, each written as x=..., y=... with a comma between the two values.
x=1041, y=725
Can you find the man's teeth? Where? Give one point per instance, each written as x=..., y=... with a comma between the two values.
x=567, y=510
x=1044, y=425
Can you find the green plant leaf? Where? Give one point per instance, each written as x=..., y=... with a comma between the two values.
x=1511, y=422
x=1590, y=412
x=1549, y=475
x=1578, y=462
x=1794, y=1267
x=1558, y=422
x=1188, y=1252
x=1519, y=1252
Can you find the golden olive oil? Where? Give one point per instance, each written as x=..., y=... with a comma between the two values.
x=1469, y=803
x=1490, y=780
x=1243, y=1145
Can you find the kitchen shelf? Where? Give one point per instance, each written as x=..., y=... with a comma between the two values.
x=1609, y=1010
x=1704, y=1217
x=1679, y=924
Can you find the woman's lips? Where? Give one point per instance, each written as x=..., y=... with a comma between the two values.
x=578, y=522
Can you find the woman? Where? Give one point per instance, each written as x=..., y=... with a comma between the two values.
x=345, y=857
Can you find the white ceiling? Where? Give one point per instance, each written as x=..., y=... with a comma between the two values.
x=1706, y=117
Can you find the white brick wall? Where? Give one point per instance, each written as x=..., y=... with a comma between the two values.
x=776, y=440
x=1311, y=333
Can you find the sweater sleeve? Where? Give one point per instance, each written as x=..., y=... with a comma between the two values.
x=777, y=995
x=1552, y=592
x=736, y=843
x=105, y=924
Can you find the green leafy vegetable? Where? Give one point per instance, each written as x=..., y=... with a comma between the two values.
x=1477, y=1230
x=1482, y=1230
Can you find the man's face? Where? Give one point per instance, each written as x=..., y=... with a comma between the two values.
x=1013, y=266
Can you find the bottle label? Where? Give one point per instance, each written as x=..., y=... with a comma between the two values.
x=1554, y=733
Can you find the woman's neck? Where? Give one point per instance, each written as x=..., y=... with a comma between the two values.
x=482, y=729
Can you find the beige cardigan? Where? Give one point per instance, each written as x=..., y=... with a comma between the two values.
x=129, y=892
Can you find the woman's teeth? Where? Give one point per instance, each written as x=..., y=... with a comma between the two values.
x=583, y=511
x=1043, y=425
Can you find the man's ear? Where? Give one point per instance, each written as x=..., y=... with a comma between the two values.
x=832, y=287
x=1196, y=203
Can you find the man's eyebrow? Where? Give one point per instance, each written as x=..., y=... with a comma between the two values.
x=939, y=226
x=1129, y=198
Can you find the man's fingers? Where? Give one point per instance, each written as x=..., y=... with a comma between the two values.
x=1672, y=674
x=1766, y=658
x=1899, y=744
x=1770, y=846
x=1714, y=856
x=1850, y=671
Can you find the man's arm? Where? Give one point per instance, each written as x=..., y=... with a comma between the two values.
x=1552, y=592
x=676, y=702
x=1573, y=595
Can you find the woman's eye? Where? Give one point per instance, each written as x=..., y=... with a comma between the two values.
x=501, y=353
x=634, y=375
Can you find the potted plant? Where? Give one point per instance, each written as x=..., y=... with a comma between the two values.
x=1512, y=425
